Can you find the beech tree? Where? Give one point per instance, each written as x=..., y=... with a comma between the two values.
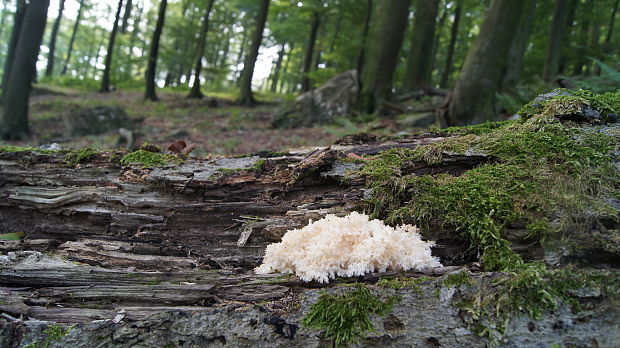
x=380, y=60
x=519, y=44
x=195, y=91
x=314, y=28
x=105, y=80
x=245, y=96
x=52, y=46
x=420, y=62
x=76, y=25
x=454, y=32
x=552, y=61
x=473, y=97
x=151, y=71
x=14, y=114
x=18, y=20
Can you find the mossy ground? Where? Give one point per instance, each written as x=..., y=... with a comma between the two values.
x=148, y=159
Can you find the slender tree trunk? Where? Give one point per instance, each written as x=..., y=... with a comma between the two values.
x=134, y=37
x=14, y=115
x=126, y=16
x=420, y=62
x=18, y=21
x=276, y=73
x=151, y=71
x=519, y=44
x=314, y=28
x=438, y=31
x=568, y=36
x=94, y=65
x=195, y=91
x=286, y=66
x=552, y=61
x=52, y=46
x=360, y=57
x=5, y=4
x=582, y=49
x=72, y=40
x=221, y=63
x=454, y=32
x=382, y=55
x=612, y=21
x=105, y=80
x=473, y=97
x=245, y=97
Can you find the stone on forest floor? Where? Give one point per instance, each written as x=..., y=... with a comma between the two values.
x=336, y=97
x=96, y=120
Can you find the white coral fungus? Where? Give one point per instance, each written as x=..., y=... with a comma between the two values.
x=347, y=246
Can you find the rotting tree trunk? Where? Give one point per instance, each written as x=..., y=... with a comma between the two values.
x=245, y=96
x=552, y=60
x=473, y=97
x=76, y=26
x=420, y=61
x=151, y=71
x=166, y=254
x=14, y=110
x=314, y=29
x=49, y=70
x=519, y=44
x=382, y=55
x=454, y=32
x=195, y=91
x=105, y=80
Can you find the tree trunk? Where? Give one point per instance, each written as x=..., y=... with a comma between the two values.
x=245, y=97
x=5, y=10
x=382, y=55
x=568, y=36
x=454, y=32
x=134, y=37
x=52, y=46
x=582, y=49
x=420, y=62
x=151, y=72
x=552, y=61
x=18, y=21
x=276, y=73
x=14, y=113
x=612, y=21
x=73, y=35
x=314, y=28
x=438, y=32
x=360, y=57
x=286, y=66
x=126, y=16
x=519, y=44
x=105, y=80
x=473, y=97
x=195, y=91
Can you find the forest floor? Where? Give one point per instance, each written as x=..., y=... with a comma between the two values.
x=215, y=124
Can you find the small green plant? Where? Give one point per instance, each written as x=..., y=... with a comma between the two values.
x=344, y=316
x=456, y=279
x=76, y=157
x=149, y=159
x=54, y=332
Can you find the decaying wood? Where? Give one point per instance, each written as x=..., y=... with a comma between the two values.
x=106, y=242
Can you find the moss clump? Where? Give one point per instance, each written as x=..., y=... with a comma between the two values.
x=537, y=169
x=13, y=148
x=344, y=316
x=530, y=290
x=478, y=129
x=148, y=159
x=401, y=282
x=456, y=280
x=76, y=157
x=54, y=332
x=570, y=101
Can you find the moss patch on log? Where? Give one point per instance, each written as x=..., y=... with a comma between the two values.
x=148, y=159
x=541, y=172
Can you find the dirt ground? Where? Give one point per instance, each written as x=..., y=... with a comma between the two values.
x=215, y=125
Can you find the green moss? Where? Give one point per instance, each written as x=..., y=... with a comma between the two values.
x=76, y=157
x=456, y=280
x=149, y=159
x=401, y=282
x=13, y=148
x=530, y=290
x=571, y=102
x=54, y=332
x=344, y=316
x=535, y=169
x=478, y=129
